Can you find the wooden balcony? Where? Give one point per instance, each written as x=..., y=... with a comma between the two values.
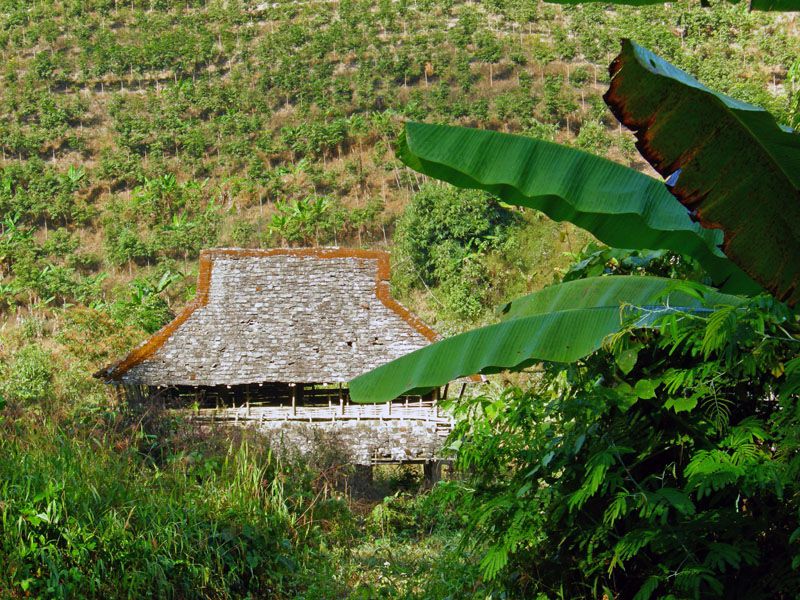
x=421, y=410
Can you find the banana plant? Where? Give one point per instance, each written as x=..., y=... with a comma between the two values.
x=74, y=177
x=715, y=152
x=562, y=323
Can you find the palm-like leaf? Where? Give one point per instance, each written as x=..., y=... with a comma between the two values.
x=619, y=206
x=562, y=323
x=733, y=165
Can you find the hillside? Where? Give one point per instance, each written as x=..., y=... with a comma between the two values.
x=135, y=133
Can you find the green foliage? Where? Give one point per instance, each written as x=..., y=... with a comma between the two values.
x=28, y=377
x=655, y=465
x=441, y=241
x=392, y=516
x=84, y=520
x=146, y=307
x=300, y=220
x=668, y=476
x=102, y=101
x=561, y=323
x=594, y=138
x=594, y=260
x=777, y=5
x=619, y=205
x=669, y=111
x=121, y=504
x=134, y=133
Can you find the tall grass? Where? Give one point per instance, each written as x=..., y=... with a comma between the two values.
x=86, y=516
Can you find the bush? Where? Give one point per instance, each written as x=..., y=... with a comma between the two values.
x=665, y=466
x=393, y=516
x=145, y=308
x=442, y=239
x=28, y=378
x=593, y=138
x=90, y=521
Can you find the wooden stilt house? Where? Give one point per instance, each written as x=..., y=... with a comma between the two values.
x=272, y=338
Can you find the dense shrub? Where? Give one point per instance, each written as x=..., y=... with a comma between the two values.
x=28, y=376
x=146, y=307
x=83, y=519
x=441, y=242
x=664, y=466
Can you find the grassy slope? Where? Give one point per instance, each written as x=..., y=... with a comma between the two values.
x=247, y=108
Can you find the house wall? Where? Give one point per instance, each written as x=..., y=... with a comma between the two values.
x=360, y=442
x=409, y=435
x=410, y=429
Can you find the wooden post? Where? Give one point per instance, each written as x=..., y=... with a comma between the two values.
x=433, y=472
x=362, y=476
x=294, y=400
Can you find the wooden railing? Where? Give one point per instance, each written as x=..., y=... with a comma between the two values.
x=416, y=411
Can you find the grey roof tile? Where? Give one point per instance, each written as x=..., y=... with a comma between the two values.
x=302, y=316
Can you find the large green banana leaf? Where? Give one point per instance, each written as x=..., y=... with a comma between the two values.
x=637, y=292
x=776, y=5
x=562, y=323
x=729, y=162
x=619, y=206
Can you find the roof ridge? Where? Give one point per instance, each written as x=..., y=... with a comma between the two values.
x=207, y=258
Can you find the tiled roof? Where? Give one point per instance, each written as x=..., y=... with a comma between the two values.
x=290, y=315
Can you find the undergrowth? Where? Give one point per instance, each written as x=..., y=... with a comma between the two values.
x=99, y=503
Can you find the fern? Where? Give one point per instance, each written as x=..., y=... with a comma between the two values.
x=616, y=509
x=690, y=490
x=710, y=471
x=630, y=545
x=693, y=579
x=649, y=586
x=678, y=500
x=720, y=329
x=721, y=556
x=596, y=468
x=493, y=561
x=717, y=408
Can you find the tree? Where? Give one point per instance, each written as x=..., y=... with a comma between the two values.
x=662, y=466
x=659, y=453
x=620, y=206
x=488, y=50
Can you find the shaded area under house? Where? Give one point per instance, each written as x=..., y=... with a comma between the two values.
x=271, y=340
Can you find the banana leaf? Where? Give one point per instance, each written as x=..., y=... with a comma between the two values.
x=619, y=206
x=562, y=323
x=727, y=161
